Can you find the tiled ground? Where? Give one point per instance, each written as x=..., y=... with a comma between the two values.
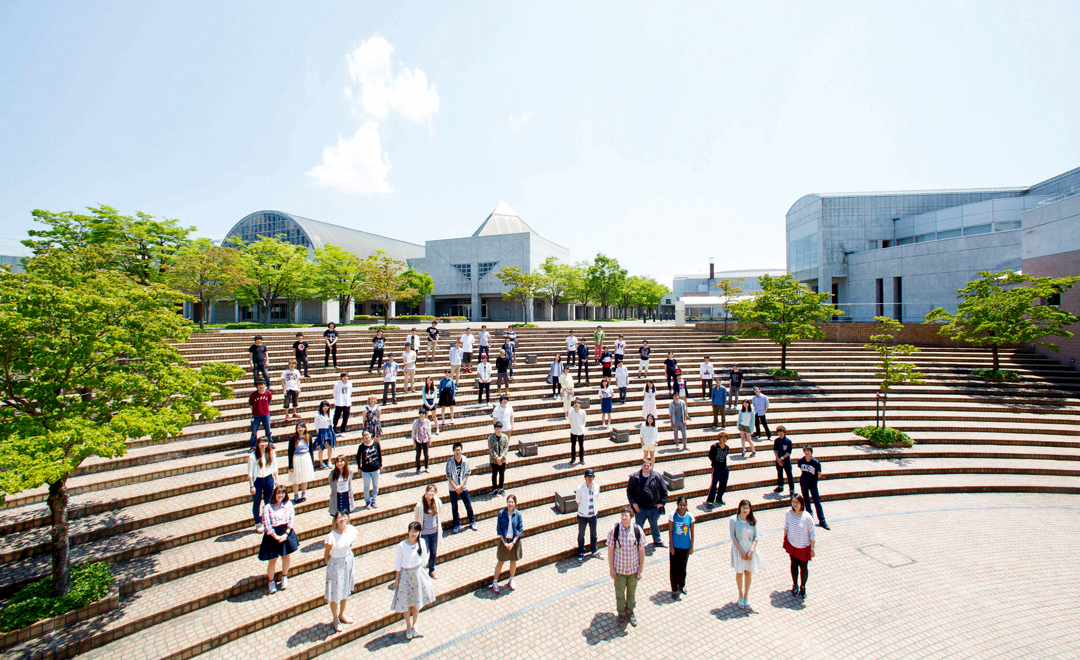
x=926, y=576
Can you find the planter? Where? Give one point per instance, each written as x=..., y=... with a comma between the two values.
x=786, y=377
x=49, y=626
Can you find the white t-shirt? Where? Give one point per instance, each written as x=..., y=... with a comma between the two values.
x=408, y=359
x=504, y=415
x=291, y=377
x=485, y=337
x=620, y=347
x=455, y=356
x=467, y=342
x=341, y=543
x=389, y=371
x=571, y=343
x=706, y=370
x=577, y=421
x=342, y=394
x=622, y=376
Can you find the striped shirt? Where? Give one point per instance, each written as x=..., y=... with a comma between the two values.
x=799, y=528
x=588, y=501
x=625, y=556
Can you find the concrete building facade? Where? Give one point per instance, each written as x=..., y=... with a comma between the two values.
x=1051, y=248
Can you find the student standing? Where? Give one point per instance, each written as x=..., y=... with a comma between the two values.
x=735, y=380
x=809, y=473
x=262, y=469
x=484, y=339
x=598, y=340
x=605, y=363
x=432, y=341
x=301, y=471
x=341, y=492
x=408, y=365
x=378, y=344
x=498, y=452
x=421, y=437
x=718, y=398
x=342, y=402
x=447, y=397
x=782, y=457
x=649, y=438
x=583, y=361
x=643, y=359
x=577, y=418
x=325, y=440
x=279, y=537
x=571, y=349
x=678, y=415
x=745, y=425
x=457, y=473
x=300, y=352
x=429, y=401
x=502, y=372
x=508, y=350
x=554, y=372
x=369, y=460
x=588, y=508
x=620, y=351
x=648, y=400
x=744, y=555
x=681, y=540
x=456, y=355
x=290, y=389
x=511, y=338
x=372, y=420
x=705, y=371
x=260, y=360
x=412, y=342
x=670, y=365
x=799, y=542
x=412, y=586
x=467, y=341
x=509, y=528
x=483, y=380
x=626, y=563
x=718, y=460
x=566, y=384
x=330, y=339
x=427, y=514
x=606, y=393
x=622, y=380
x=390, y=369
x=760, y=402
x=259, y=400
x=648, y=494
x=340, y=565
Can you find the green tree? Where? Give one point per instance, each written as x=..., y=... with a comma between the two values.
x=523, y=286
x=785, y=311
x=87, y=360
x=605, y=280
x=891, y=372
x=577, y=290
x=141, y=246
x=556, y=282
x=729, y=291
x=387, y=281
x=339, y=274
x=206, y=272
x=422, y=283
x=274, y=269
x=1005, y=308
x=647, y=293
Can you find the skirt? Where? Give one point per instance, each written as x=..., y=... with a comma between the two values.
x=414, y=590
x=648, y=408
x=303, y=471
x=513, y=554
x=326, y=438
x=446, y=399
x=271, y=548
x=741, y=565
x=802, y=554
x=339, y=578
x=605, y=405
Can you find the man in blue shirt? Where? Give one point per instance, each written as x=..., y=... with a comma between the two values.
x=760, y=403
x=719, y=398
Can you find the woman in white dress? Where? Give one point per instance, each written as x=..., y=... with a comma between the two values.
x=744, y=555
x=338, y=555
x=412, y=586
x=648, y=438
x=648, y=401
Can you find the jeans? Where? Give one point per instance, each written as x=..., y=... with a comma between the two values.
x=677, y=568
x=759, y=421
x=483, y=389
x=343, y=413
x=376, y=359
x=733, y=397
x=622, y=395
x=583, y=362
x=651, y=514
x=676, y=429
x=432, y=541
x=582, y=523
x=556, y=387
x=421, y=448
x=264, y=488
x=670, y=375
x=577, y=441
x=330, y=350
x=255, y=422
x=260, y=368
x=810, y=490
x=780, y=471
x=371, y=482
x=719, y=411
x=625, y=593
x=718, y=486
x=467, y=499
x=390, y=388
x=498, y=475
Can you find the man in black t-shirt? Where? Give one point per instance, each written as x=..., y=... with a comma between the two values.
x=733, y=390
x=810, y=472
x=432, y=341
x=260, y=358
x=299, y=348
x=330, y=337
x=378, y=343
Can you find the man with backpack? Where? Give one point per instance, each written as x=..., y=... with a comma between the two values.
x=647, y=494
x=626, y=561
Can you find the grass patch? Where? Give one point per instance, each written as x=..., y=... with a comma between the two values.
x=414, y=317
x=34, y=602
x=524, y=325
x=996, y=374
x=380, y=326
x=883, y=436
x=727, y=338
x=783, y=373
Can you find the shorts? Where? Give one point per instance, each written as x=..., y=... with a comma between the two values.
x=291, y=397
x=466, y=358
x=502, y=379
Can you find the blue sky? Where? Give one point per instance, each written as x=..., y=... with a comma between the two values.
x=660, y=133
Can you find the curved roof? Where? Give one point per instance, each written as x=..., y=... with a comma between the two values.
x=319, y=234
x=503, y=220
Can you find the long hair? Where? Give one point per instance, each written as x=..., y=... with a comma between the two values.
x=306, y=435
x=338, y=474
x=429, y=385
x=750, y=514
x=283, y=489
x=325, y=404
x=649, y=387
x=429, y=505
x=264, y=456
x=419, y=529
x=745, y=406
x=650, y=417
x=801, y=501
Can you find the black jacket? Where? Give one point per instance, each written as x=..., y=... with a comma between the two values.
x=369, y=459
x=646, y=493
x=718, y=456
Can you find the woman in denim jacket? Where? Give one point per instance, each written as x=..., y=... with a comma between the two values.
x=509, y=528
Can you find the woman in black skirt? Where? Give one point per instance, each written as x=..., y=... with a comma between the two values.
x=279, y=536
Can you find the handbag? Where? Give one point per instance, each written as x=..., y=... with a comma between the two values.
x=549, y=379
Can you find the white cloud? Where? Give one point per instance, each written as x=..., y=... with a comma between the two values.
x=378, y=90
x=355, y=165
x=517, y=122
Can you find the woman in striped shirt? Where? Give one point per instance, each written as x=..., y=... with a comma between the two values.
x=799, y=542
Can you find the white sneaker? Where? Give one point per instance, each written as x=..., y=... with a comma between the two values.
x=512, y=585
x=408, y=633
x=273, y=587
x=284, y=582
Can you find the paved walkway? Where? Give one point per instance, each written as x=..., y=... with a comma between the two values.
x=927, y=576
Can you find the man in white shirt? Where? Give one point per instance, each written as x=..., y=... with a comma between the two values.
x=588, y=506
x=622, y=379
x=342, y=402
x=571, y=348
x=455, y=361
x=483, y=379
x=706, y=372
x=484, y=339
x=290, y=386
x=620, y=350
x=577, y=430
x=504, y=412
x=408, y=365
x=389, y=381
x=467, y=340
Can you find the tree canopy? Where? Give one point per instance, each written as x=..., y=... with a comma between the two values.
x=523, y=286
x=207, y=272
x=275, y=269
x=387, y=281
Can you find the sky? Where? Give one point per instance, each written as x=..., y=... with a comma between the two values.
x=661, y=134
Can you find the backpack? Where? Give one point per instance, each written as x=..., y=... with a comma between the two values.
x=637, y=534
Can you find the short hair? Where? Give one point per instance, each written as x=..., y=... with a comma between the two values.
x=344, y=374
x=299, y=334
x=456, y=445
x=258, y=337
x=808, y=448
x=498, y=424
x=512, y=497
x=626, y=509
x=260, y=382
x=781, y=428
x=332, y=323
x=292, y=361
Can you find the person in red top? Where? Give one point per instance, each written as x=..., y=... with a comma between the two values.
x=259, y=400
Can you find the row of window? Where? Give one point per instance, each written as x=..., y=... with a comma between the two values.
x=803, y=253
x=272, y=225
x=954, y=233
x=482, y=268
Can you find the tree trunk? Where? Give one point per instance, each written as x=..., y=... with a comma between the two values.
x=783, y=356
x=725, y=322
x=203, y=312
x=996, y=362
x=61, y=570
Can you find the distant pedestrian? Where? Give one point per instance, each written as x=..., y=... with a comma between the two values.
x=718, y=398
x=735, y=383
x=390, y=371
x=457, y=473
x=782, y=457
x=648, y=400
x=432, y=341
x=342, y=402
x=810, y=472
x=467, y=341
x=760, y=402
x=290, y=390
x=509, y=528
x=643, y=359
x=670, y=366
x=583, y=361
x=428, y=514
x=300, y=353
x=340, y=565
x=678, y=416
x=498, y=453
x=566, y=384
x=744, y=555
x=412, y=586
x=555, y=371
x=484, y=338
x=746, y=426
x=681, y=541
x=605, y=393
x=571, y=349
x=799, y=542
x=588, y=508
x=705, y=371
x=447, y=398
x=325, y=439
x=649, y=438
x=429, y=401
x=259, y=400
x=605, y=363
x=622, y=380
x=330, y=341
x=260, y=361
x=718, y=461
x=341, y=490
x=504, y=412
x=372, y=417
x=408, y=367
x=620, y=351
x=378, y=344
x=279, y=537
x=301, y=470
x=577, y=418
x=457, y=354
x=483, y=380
x=369, y=460
x=626, y=563
x=647, y=494
x=598, y=341
x=421, y=437
x=262, y=470
x=502, y=372
x=509, y=349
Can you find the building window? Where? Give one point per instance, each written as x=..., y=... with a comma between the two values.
x=1006, y=226
x=484, y=267
x=952, y=233
x=879, y=295
x=898, y=299
x=279, y=312
x=803, y=253
x=245, y=313
x=905, y=241
x=465, y=270
x=972, y=231
x=1054, y=300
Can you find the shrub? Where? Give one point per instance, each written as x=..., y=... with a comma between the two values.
x=255, y=325
x=995, y=374
x=379, y=326
x=883, y=436
x=783, y=373
x=415, y=317
x=727, y=338
x=524, y=325
x=34, y=602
